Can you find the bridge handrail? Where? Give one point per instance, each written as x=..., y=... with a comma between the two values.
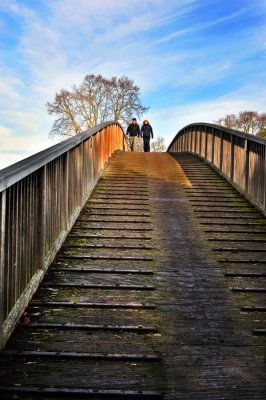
x=239, y=157
x=20, y=169
x=40, y=199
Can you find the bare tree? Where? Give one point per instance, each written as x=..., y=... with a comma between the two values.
x=262, y=125
x=67, y=122
x=229, y=121
x=93, y=97
x=124, y=100
x=158, y=145
x=247, y=121
x=96, y=100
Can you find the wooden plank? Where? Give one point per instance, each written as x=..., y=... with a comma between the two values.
x=77, y=355
x=103, y=270
x=137, y=394
x=88, y=327
x=99, y=257
x=98, y=286
x=92, y=305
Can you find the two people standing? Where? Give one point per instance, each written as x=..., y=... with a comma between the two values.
x=135, y=132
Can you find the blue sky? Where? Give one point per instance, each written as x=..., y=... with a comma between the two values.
x=194, y=60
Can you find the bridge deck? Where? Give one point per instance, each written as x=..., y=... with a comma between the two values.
x=157, y=289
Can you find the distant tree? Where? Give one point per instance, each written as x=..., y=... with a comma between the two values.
x=124, y=101
x=229, y=121
x=262, y=126
x=262, y=134
x=246, y=121
x=158, y=145
x=96, y=100
x=68, y=121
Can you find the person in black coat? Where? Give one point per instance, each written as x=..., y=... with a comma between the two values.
x=133, y=132
x=147, y=133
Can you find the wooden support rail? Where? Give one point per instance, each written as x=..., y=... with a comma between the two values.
x=240, y=158
x=40, y=199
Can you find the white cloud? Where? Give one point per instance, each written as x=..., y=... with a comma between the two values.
x=59, y=46
x=168, y=121
x=14, y=148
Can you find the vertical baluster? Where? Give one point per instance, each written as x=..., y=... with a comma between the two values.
x=2, y=262
x=42, y=211
x=246, y=165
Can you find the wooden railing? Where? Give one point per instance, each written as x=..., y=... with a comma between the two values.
x=238, y=157
x=40, y=199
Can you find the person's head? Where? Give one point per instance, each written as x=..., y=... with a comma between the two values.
x=145, y=122
x=134, y=121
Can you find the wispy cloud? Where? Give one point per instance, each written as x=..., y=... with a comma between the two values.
x=197, y=27
x=173, y=35
x=169, y=120
x=15, y=148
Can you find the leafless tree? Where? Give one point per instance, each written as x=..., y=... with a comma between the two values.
x=124, y=100
x=262, y=125
x=96, y=100
x=229, y=121
x=68, y=120
x=158, y=145
x=246, y=121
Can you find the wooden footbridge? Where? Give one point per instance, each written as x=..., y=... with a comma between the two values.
x=135, y=275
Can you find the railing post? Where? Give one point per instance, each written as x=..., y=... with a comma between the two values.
x=213, y=141
x=264, y=177
x=232, y=165
x=206, y=143
x=2, y=262
x=221, y=150
x=195, y=140
x=191, y=139
x=66, y=180
x=42, y=193
x=246, y=165
x=200, y=139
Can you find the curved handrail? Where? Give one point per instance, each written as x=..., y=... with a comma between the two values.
x=221, y=128
x=40, y=199
x=20, y=169
x=238, y=157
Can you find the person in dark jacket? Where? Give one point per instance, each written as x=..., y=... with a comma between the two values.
x=147, y=134
x=133, y=132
